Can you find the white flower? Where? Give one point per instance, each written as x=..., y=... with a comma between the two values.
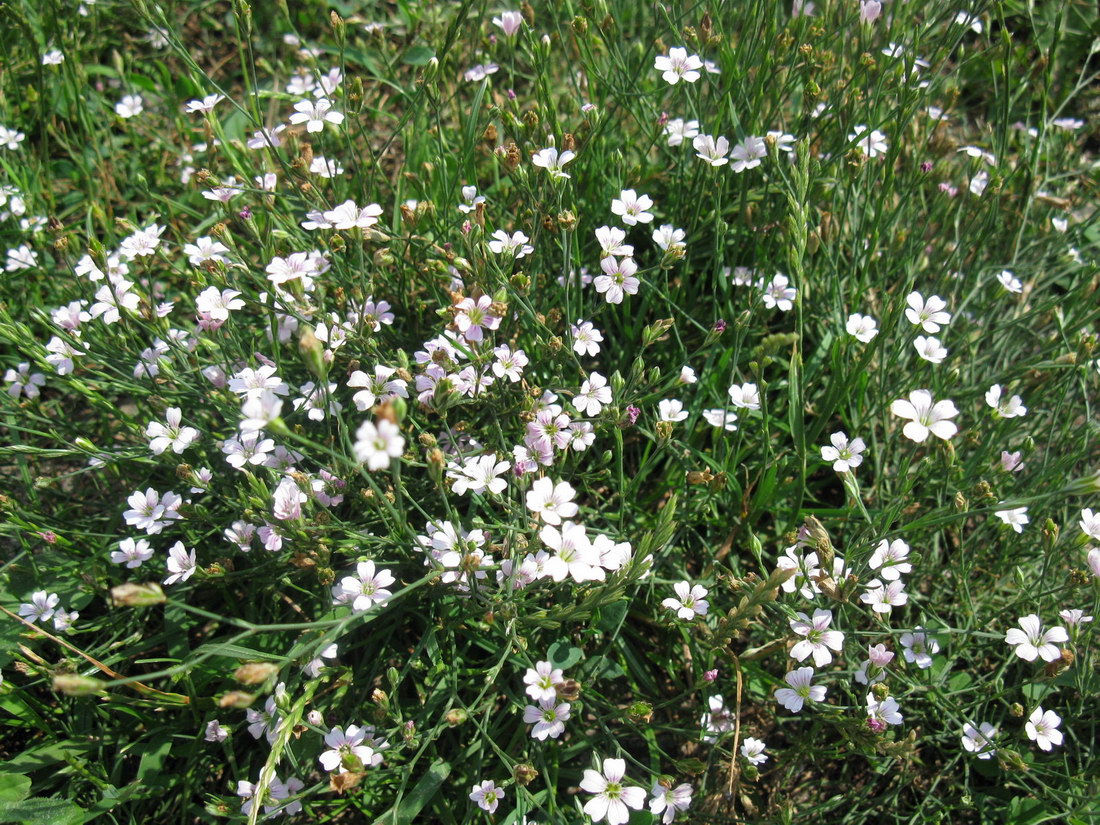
x=487, y=795
x=689, y=601
x=779, y=294
x=930, y=349
x=478, y=474
x=541, y=681
x=927, y=314
x=574, y=555
x=918, y=647
x=712, y=150
x=611, y=240
x=872, y=145
x=891, y=559
x=347, y=215
x=862, y=327
x=618, y=279
x=612, y=799
x=1015, y=518
x=883, y=598
x=366, y=588
x=884, y=712
x=1005, y=407
x=671, y=409
x=1042, y=728
x=669, y=238
x=551, y=502
x=667, y=802
x=745, y=396
x=1090, y=524
x=315, y=114
x=801, y=690
x=552, y=162
x=594, y=395
x=181, y=563
x=632, y=207
x=548, y=717
x=753, y=751
x=586, y=338
x=978, y=741
x=817, y=637
x=718, y=719
x=515, y=244
x=375, y=445
x=1033, y=642
x=1010, y=282
x=679, y=130
x=130, y=106
x=678, y=65
x=845, y=455
x=726, y=419
x=925, y=416
x=170, y=434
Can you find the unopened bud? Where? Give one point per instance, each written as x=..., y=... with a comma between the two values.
x=137, y=595
x=236, y=699
x=73, y=684
x=255, y=673
x=524, y=774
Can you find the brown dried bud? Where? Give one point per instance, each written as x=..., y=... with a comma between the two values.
x=569, y=690
x=1060, y=665
x=525, y=774
x=255, y=673
x=490, y=134
x=236, y=699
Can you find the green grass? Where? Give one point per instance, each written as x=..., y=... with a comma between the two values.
x=105, y=721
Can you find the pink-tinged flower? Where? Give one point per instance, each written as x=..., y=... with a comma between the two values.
x=679, y=130
x=509, y=22
x=869, y=11
x=181, y=563
x=1074, y=617
x=151, y=512
x=719, y=719
x=474, y=316
x=548, y=718
x=377, y=388
x=551, y=502
x=881, y=714
x=509, y=364
x=366, y=588
x=618, y=279
x=612, y=798
x=41, y=607
x=748, y=153
x=667, y=802
x=978, y=741
x=1033, y=642
x=690, y=601
x=288, y=500
x=873, y=669
x=132, y=553
x=926, y=416
x=315, y=114
x=1042, y=728
x=1093, y=560
x=818, y=638
x=487, y=795
x=884, y=597
x=801, y=690
x=586, y=338
x=678, y=65
x=542, y=681
x=515, y=244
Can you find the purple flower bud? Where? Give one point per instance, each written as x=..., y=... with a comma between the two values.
x=663, y=119
x=876, y=725
x=926, y=166
x=632, y=413
x=245, y=213
x=511, y=94
x=711, y=675
x=719, y=326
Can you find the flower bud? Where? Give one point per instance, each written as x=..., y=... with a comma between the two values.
x=255, y=673
x=236, y=699
x=73, y=684
x=525, y=774
x=132, y=594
